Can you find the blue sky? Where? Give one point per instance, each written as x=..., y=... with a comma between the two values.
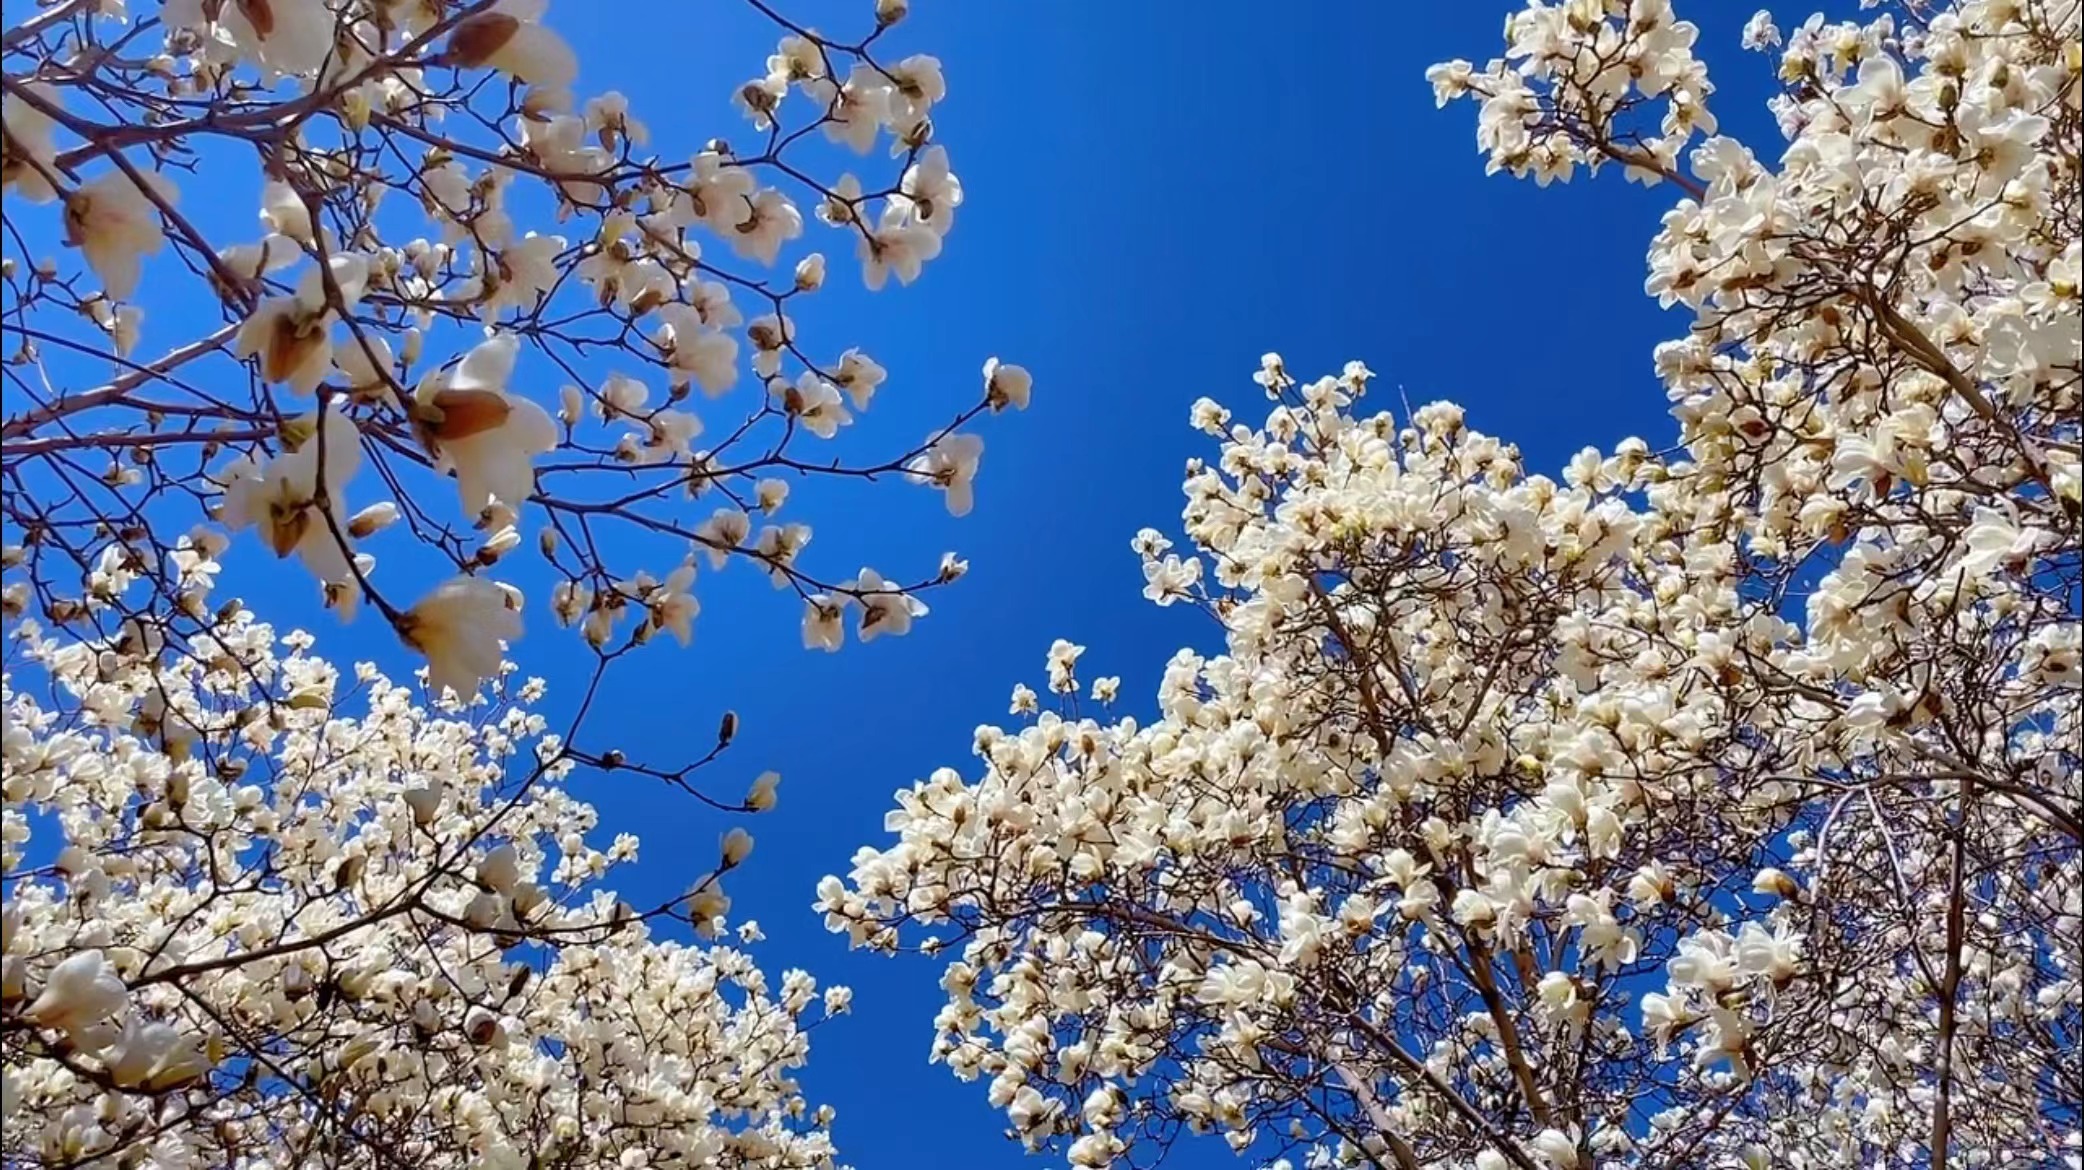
x=1156, y=194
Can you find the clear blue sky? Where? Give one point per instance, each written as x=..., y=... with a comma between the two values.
x=1156, y=194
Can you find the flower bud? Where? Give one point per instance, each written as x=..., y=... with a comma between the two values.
x=372, y=520
x=810, y=272
x=424, y=803
x=1775, y=882
x=481, y=1026
x=478, y=37
x=354, y=109
x=503, y=542
x=761, y=796
x=738, y=845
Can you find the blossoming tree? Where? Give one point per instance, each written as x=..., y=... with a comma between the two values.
x=334, y=279
x=298, y=918
x=1709, y=806
x=392, y=317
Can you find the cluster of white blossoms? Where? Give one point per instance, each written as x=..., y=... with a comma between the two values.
x=1713, y=806
x=392, y=317
x=261, y=912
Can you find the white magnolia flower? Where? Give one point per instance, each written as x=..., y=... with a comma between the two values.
x=672, y=603
x=950, y=464
x=815, y=403
x=156, y=1057
x=896, y=246
x=695, y=351
x=720, y=192
x=1760, y=33
x=856, y=110
x=280, y=498
x=462, y=628
x=919, y=85
x=929, y=192
x=292, y=37
x=761, y=796
x=885, y=609
x=1006, y=385
x=859, y=375
x=367, y=364
x=810, y=272
x=824, y=622
x=609, y=114
x=514, y=276
x=483, y=433
x=511, y=38
x=724, y=531
x=772, y=221
x=265, y=257
x=78, y=997
x=778, y=547
x=26, y=170
x=1063, y=666
x=737, y=846
x=284, y=213
x=1995, y=540
x=115, y=225
x=291, y=335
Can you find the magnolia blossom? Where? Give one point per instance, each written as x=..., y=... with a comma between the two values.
x=761, y=796
x=296, y=501
x=487, y=436
x=771, y=220
x=290, y=335
x=815, y=403
x=79, y=995
x=157, y=1057
x=1495, y=823
x=694, y=351
x=897, y=246
x=292, y=37
x=885, y=609
x=1063, y=666
x=929, y=192
x=856, y=110
x=330, y=906
x=824, y=623
x=27, y=170
x=950, y=464
x=358, y=276
x=672, y=603
x=860, y=376
x=284, y=213
x=1006, y=385
x=515, y=276
x=114, y=221
x=511, y=38
x=462, y=628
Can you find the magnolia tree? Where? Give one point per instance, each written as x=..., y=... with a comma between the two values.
x=297, y=918
x=1714, y=806
x=389, y=308
x=412, y=293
